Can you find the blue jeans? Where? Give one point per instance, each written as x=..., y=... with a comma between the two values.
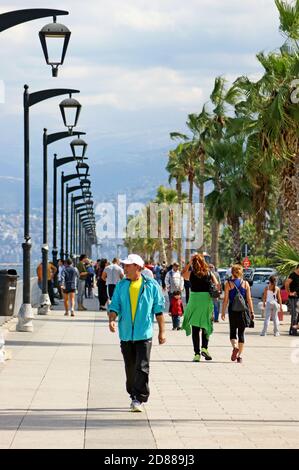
x=176, y=321
x=216, y=309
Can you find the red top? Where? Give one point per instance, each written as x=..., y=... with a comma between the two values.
x=176, y=307
x=284, y=295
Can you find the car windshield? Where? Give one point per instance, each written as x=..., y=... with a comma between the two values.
x=259, y=278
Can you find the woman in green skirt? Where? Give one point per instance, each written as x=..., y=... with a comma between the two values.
x=198, y=315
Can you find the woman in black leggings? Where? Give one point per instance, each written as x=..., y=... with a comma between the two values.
x=236, y=319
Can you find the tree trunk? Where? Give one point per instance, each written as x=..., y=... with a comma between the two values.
x=215, y=227
x=179, y=240
x=290, y=190
x=202, y=157
x=234, y=222
x=190, y=218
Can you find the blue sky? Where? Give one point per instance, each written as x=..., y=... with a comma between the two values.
x=141, y=67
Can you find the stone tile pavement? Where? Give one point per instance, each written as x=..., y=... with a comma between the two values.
x=65, y=388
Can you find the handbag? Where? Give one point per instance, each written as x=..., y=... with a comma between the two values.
x=213, y=291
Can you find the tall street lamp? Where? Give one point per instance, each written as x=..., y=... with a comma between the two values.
x=57, y=163
x=47, y=140
x=25, y=315
x=51, y=33
x=65, y=179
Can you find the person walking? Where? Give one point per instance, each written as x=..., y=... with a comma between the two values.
x=237, y=324
x=61, y=267
x=158, y=273
x=176, y=310
x=198, y=315
x=81, y=282
x=69, y=276
x=174, y=281
x=216, y=302
x=112, y=275
x=272, y=304
x=51, y=271
x=292, y=288
x=102, y=288
x=135, y=302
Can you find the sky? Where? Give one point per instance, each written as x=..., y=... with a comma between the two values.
x=141, y=67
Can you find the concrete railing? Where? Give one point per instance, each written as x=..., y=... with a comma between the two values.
x=35, y=297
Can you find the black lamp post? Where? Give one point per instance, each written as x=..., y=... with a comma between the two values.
x=47, y=140
x=69, y=190
x=56, y=163
x=78, y=147
x=65, y=179
x=58, y=32
x=25, y=315
x=70, y=110
x=51, y=31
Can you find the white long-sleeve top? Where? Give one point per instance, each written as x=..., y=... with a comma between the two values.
x=174, y=281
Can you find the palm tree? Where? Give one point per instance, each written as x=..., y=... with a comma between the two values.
x=287, y=257
x=176, y=172
x=232, y=193
x=271, y=118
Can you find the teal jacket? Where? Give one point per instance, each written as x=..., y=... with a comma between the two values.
x=150, y=302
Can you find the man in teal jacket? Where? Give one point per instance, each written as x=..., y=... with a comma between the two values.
x=135, y=302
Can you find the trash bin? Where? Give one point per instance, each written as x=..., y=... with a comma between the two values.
x=8, y=288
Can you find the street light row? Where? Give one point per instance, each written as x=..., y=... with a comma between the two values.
x=80, y=234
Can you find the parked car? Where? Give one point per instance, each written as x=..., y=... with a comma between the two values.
x=222, y=272
x=260, y=280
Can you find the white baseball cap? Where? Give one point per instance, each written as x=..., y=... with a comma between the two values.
x=133, y=259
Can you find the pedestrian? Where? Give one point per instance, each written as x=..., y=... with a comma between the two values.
x=51, y=271
x=157, y=273
x=292, y=288
x=81, y=282
x=135, y=302
x=147, y=272
x=112, y=275
x=102, y=288
x=89, y=283
x=233, y=286
x=163, y=274
x=174, y=281
x=216, y=302
x=70, y=276
x=61, y=266
x=176, y=310
x=198, y=315
x=272, y=304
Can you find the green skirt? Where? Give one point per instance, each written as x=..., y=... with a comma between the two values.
x=199, y=312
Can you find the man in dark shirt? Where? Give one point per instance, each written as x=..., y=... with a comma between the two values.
x=292, y=288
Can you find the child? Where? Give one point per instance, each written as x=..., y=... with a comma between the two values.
x=176, y=310
x=272, y=302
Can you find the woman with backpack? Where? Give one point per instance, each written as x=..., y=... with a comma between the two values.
x=237, y=296
x=272, y=303
x=70, y=276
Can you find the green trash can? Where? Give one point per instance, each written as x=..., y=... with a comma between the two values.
x=8, y=289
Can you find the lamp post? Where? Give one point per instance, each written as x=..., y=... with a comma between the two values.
x=52, y=31
x=65, y=179
x=48, y=139
x=69, y=190
x=57, y=163
x=25, y=315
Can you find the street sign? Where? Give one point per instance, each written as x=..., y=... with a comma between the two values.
x=246, y=262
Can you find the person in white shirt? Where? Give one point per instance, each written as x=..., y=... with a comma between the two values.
x=174, y=281
x=272, y=303
x=147, y=272
x=112, y=274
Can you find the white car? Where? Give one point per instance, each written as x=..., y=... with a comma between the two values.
x=260, y=280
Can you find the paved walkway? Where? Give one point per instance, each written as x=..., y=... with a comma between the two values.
x=65, y=388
